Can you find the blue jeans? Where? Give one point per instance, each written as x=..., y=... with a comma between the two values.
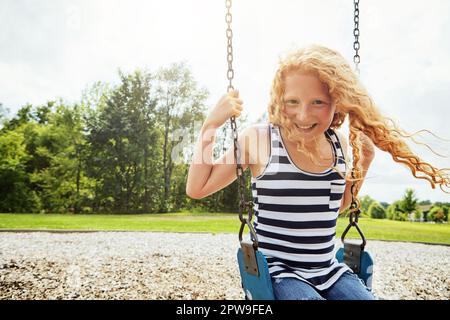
x=347, y=287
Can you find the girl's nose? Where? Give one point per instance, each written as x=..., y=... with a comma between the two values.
x=302, y=114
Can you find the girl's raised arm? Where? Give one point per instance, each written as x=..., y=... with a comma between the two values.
x=205, y=176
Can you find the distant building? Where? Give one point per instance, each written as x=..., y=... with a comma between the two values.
x=424, y=209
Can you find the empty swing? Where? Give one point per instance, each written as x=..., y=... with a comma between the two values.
x=254, y=271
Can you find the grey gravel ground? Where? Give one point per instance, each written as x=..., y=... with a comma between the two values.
x=152, y=265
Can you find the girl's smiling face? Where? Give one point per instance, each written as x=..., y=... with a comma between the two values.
x=307, y=102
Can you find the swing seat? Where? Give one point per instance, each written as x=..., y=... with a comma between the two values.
x=256, y=287
x=259, y=287
x=365, y=271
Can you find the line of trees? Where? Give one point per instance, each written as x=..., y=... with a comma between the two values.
x=113, y=152
x=409, y=208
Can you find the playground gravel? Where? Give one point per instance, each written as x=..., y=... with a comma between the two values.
x=153, y=265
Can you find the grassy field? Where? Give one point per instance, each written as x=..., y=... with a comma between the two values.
x=215, y=223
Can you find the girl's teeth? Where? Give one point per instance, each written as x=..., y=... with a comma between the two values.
x=306, y=127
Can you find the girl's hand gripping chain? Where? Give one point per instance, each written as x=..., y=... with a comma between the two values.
x=229, y=105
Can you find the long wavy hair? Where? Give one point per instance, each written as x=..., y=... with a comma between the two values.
x=350, y=99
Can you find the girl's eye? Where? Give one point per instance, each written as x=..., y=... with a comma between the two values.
x=292, y=102
x=318, y=102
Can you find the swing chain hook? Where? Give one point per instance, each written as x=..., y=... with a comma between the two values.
x=355, y=211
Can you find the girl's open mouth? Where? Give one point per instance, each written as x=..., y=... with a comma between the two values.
x=306, y=129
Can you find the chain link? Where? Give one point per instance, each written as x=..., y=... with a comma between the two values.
x=244, y=205
x=356, y=45
x=229, y=34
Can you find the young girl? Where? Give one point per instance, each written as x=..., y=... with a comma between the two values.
x=301, y=175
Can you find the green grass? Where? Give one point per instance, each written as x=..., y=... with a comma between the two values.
x=383, y=229
x=170, y=222
x=215, y=223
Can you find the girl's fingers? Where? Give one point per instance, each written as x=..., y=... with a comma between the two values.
x=234, y=93
x=237, y=109
x=236, y=103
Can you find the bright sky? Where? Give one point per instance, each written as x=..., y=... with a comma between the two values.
x=52, y=49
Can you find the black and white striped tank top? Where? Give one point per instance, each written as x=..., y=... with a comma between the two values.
x=296, y=213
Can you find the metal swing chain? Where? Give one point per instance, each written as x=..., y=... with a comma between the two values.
x=355, y=204
x=244, y=205
x=356, y=46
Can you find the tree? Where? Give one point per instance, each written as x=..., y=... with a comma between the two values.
x=365, y=202
x=445, y=207
x=124, y=139
x=436, y=214
x=24, y=115
x=15, y=192
x=409, y=202
x=57, y=147
x=395, y=212
x=179, y=102
x=377, y=211
x=42, y=113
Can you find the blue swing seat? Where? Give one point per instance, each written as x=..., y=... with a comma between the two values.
x=259, y=287
x=256, y=287
x=365, y=269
